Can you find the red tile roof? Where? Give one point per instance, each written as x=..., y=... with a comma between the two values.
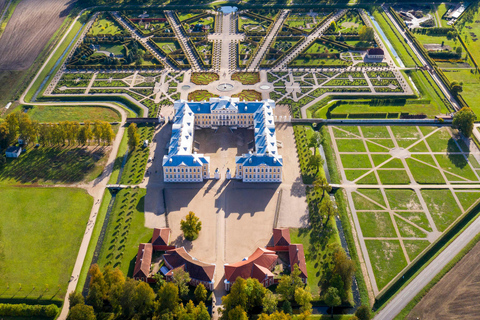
x=297, y=256
x=144, y=260
x=161, y=237
x=198, y=270
x=256, y=266
x=281, y=237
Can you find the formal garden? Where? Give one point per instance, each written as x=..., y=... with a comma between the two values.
x=437, y=156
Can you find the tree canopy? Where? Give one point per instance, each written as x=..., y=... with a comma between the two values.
x=191, y=226
x=463, y=120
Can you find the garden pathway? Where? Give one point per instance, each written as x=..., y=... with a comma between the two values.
x=432, y=72
x=268, y=41
x=351, y=187
x=309, y=39
x=183, y=41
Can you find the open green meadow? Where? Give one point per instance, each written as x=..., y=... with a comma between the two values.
x=40, y=234
x=67, y=113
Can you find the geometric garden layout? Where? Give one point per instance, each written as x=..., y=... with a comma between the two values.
x=364, y=101
x=411, y=183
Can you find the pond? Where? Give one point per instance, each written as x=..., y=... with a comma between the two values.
x=228, y=9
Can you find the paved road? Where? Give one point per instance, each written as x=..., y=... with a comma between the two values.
x=413, y=288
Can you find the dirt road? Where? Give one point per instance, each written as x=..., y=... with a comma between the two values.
x=32, y=24
x=456, y=295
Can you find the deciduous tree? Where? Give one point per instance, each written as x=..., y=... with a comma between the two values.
x=363, y=313
x=133, y=136
x=200, y=293
x=463, y=120
x=191, y=226
x=81, y=312
x=181, y=278
x=332, y=299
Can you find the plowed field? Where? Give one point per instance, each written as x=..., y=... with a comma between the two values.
x=455, y=296
x=32, y=24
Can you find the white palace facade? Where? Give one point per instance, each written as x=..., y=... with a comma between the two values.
x=264, y=164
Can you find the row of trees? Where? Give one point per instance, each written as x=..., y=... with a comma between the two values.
x=111, y=292
x=20, y=126
x=247, y=296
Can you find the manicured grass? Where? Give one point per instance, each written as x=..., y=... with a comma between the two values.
x=376, y=224
x=125, y=231
x=393, y=177
x=407, y=230
x=40, y=235
x=374, y=194
x=137, y=159
x=105, y=25
x=102, y=212
x=355, y=161
x=442, y=207
x=119, y=159
x=387, y=260
x=419, y=218
x=376, y=132
x=248, y=95
x=246, y=77
x=441, y=141
x=354, y=174
x=392, y=164
x=346, y=132
x=471, y=86
x=51, y=165
x=350, y=145
x=405, y=132
x=361, y=203
x=368, y=179
x=425, y=174
x=80, y=114
x=415, y=247
x=419, y=147
x=314, y=257
x=383, y=145
x=200, y=95
x=467, y=199
x=456, y=164
x=403, y=199
x=396, y=39
x=204, y=78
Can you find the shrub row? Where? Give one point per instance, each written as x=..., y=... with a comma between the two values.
x=25, y=310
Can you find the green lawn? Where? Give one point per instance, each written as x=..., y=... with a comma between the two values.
x=119, y=159
x=425, y=174
x=376, y=224
x=442, y=207
x=407, y=230
x=456, y=164
x=471, y=86
x=355, y=161
x=351, y=145
x=403, y=199
x=396, y=39
x=125, y=231
x=362, y=203
x=441, y=10
x=466, y=34
x=387, y=260
x=105, y=26
x=375, y=132
x=315, y=259
x=419, y=218
x=40, y=235
x=466, y=198
x=67, y=113
x=137, y=159
x=393, y=177
x=51, y=165
x=415, y=247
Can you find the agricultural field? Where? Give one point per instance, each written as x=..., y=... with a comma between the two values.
x=51, y=216
x=397, y=224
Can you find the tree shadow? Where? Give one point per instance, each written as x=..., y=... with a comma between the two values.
x=458, y=160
